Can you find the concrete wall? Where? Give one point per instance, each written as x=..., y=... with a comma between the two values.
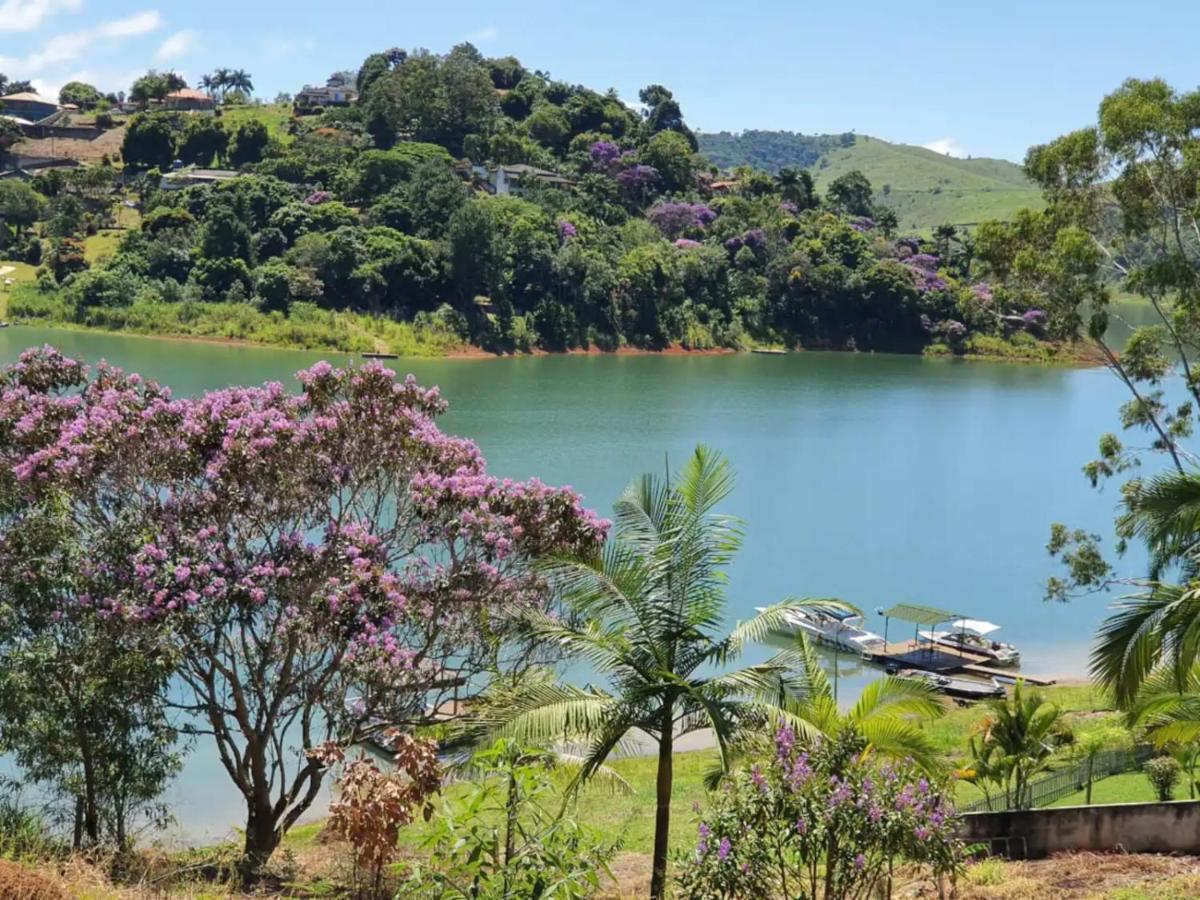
x=1132, y=827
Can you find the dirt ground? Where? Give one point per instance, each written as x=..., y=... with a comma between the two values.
x=108, y=144
x=1085, y=876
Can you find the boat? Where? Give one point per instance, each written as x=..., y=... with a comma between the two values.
x=957, y=686
x=380, y=355
x=769, y=351
x=971, y=636
x=840, y=628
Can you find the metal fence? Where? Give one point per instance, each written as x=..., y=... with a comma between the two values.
x=1064, y=782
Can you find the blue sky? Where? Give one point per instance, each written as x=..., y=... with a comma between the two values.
x=986, y=79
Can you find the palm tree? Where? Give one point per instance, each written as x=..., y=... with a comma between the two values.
x=1092, y=743
x=220, y=80
x=240, y=80
x=1154, y=635
x=645, y=613
x=1027, y=730
x=887, y=715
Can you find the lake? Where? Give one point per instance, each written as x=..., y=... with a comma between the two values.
x=873, y=478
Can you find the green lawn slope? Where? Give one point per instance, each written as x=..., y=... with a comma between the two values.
x=923, y=187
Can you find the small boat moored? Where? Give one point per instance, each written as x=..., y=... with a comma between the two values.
x=953, y=685
x=971, y=636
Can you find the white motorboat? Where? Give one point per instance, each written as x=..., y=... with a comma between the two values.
x=971, y=636
x=836, y=628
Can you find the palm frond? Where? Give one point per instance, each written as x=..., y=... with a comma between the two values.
x=891, y=697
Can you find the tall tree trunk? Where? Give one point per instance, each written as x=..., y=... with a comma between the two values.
x=262, y=838
x=662, y=814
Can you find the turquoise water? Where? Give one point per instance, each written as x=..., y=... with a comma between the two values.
x=877, y=479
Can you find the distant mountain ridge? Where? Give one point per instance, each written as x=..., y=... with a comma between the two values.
x=925, y=188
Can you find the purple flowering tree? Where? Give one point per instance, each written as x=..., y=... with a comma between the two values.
x=638, y=181
x=604, y=156
x=676, y=219
x=821, y=818
x=323, y=565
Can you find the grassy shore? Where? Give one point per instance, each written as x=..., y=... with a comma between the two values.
x=305, y=327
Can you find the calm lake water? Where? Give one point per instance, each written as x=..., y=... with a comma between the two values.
x=877, y=479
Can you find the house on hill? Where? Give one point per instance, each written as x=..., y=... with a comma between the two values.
x=28, y=105
x=505, y=180
x=335, y=93
x=189, y=99
x=179, y=179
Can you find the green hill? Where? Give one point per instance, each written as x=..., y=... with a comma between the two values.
x=923, y=187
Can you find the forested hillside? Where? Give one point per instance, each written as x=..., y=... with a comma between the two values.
x=481, y=202
x=924, y=188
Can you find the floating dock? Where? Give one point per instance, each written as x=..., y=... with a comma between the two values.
x=920, y=655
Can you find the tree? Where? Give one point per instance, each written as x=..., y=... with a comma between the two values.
x=850, y=194
x=10, y=133
x=20, y=207
x=155, y=86
x=373, y=68
x=1092, y=743
x=80, y=708
x=81, y=94
x=645, y=613
x=249, y=142
x=1123, y=205
x=664, y=114
x=671, y=156
x=225, y=235
x=796, y=187
x=204, y=140
x=149, y=142
x=1026, y=731
x=240, y=80
x=887, y=718
x=323, y=566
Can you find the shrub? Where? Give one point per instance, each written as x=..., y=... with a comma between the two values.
x=537, y=849
x=21, y=883
x=826, y=822
x=1163, y=772
x=372, y=807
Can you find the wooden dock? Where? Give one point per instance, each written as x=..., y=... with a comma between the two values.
x=913, y=655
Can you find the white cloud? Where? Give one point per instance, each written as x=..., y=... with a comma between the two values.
x=483, y=35
x=26, y=15
x=176, y=45
x=946, y=146
x=65, y=48
x=131, y=26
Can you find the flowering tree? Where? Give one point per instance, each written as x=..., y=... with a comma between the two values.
x=324, y=565
x=675, y=218
x=828, y=821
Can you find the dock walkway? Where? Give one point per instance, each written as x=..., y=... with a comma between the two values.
x=914, y=655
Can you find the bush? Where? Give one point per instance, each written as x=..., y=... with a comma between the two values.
x=1163, y=772
x=510, y=836
x=826, y=822
x=21, y=883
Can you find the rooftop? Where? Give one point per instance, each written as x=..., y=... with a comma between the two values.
x=30, y=97
x=188, y=94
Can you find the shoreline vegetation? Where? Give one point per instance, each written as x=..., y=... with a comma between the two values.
x=309, y=328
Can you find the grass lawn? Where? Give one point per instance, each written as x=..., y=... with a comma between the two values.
x=22, y=273
x=1128, y=787
x=273, y=116
x=100, y=245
